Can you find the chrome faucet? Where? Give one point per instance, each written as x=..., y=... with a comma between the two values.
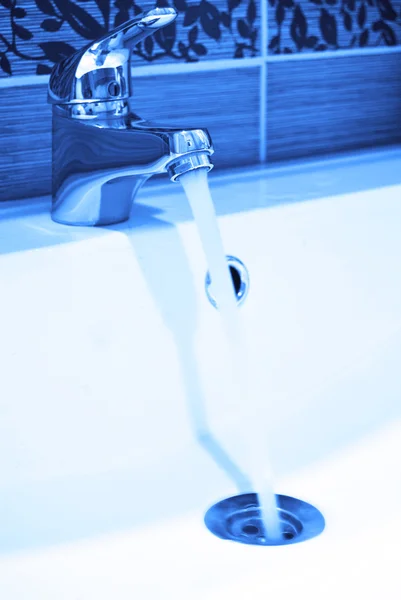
x=102, y=151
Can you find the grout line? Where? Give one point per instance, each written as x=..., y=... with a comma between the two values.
x=263, y=113
x=206, y=65
x=217, y=65
x=20, y=80
x=263, y=83
x=334, y=53
x=149, y=70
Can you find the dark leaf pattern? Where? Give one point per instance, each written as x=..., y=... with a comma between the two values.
x=274, y=42
x=347, y=17
x=243, y=28
x=46, y=7
x=239, y=52
x=387, y=12
x=80, y=20
x=332, y=24
x=311, y=41
x=51, y=24
x=251, y=11
x=193, y=35
x=280, y=13
x=21, y=32
x=328, y=27
x=362, y=16
x=299, y=28
x=104, y=7
x=386, y=33
x=149, y=45
x=122, y=15
x=199, y=21
x=43, y=69
x=166, y=37
x=233, y=4
x=180, y=5
x=364, y=38
x=5, y=64
x=191, y=15
x=56, y=51
x=182, y=48
x=210, y=19
x=199, y=49
x=294, y=26
x=225, y=19
x=19, y=13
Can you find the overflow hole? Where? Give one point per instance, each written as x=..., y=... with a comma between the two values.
x=239, y=276
x=236, y=277
x=287, y=535
x=250, y=529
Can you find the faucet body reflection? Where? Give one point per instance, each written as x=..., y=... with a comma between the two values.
x=102, y=151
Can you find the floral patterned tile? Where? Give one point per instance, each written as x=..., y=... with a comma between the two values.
x=36, y=34
x=319, y=25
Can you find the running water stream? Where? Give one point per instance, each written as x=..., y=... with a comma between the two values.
x=195, y=184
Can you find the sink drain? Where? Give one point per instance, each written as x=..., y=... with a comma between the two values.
x=239, y=519
x=240, y=278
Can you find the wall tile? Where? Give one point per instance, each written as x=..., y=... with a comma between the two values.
x=35, y=34
x=331, y=105
x=226, y=102
x=319, y=25
x=25, y=142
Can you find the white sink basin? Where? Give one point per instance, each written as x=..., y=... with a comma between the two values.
x=107, y=341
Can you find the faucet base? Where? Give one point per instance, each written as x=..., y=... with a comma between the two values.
x=99, y=165
x=108, y=204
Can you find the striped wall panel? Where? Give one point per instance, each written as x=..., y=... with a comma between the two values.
x=332, y=105
x=225, y=102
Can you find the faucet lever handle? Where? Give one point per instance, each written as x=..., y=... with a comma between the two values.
x=100, y=72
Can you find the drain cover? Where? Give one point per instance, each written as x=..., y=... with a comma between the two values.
x=239, y=519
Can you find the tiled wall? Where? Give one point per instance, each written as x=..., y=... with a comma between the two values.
x=271, y=79
x=321, y=25
x=50, y=29
x=34, y=34
x=353, y=103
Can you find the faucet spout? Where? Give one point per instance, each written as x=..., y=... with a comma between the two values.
x=199, y=160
